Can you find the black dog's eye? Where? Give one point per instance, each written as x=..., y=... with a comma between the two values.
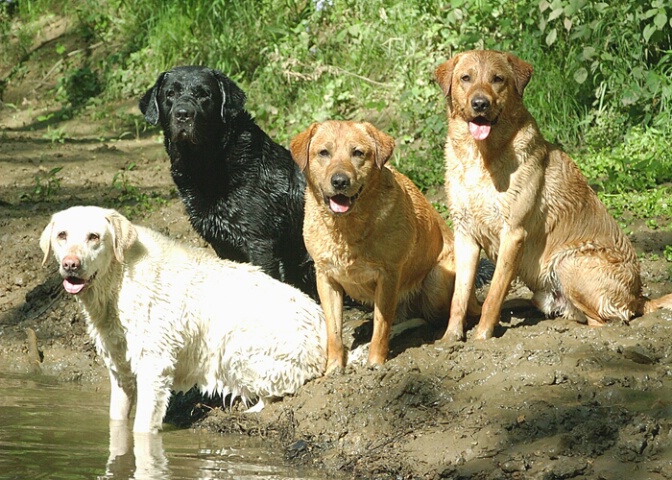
x=170, y=93
x=465, y=78
x=62, y=235
x=497, y=79
x=201, y=94
x=357, y=153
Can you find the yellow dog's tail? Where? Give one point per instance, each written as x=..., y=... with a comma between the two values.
x=649, y=305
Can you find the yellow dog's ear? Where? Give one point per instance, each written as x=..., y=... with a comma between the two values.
x=444, y=74
x=124, y=234
x=384, y=144
x=300, y=145
x=45, y=241
x=522, y=72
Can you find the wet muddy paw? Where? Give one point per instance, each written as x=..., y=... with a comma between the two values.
x=452, y=336
x=483, y=334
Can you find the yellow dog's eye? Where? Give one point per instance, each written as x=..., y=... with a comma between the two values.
x=465, y=78
x=323, y=153
x=357, y=153
x=497, y=79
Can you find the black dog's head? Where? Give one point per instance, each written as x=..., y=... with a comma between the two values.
x=190, y=101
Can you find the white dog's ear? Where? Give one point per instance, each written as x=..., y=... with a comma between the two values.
x=45, y=241
x=123, y=234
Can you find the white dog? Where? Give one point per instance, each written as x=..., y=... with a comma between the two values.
x=167, y=316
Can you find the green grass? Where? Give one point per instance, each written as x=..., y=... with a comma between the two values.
x=602, y=83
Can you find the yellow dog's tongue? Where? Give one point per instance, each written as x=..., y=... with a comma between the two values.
x=339, y=204
x=479, y=132
x=73, y=285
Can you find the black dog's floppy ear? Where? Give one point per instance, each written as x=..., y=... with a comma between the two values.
x=149, y=103
x=233, y=98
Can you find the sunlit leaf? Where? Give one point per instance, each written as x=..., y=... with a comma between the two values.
x=660, y=20
x=551, y=37
x=580, y=75
x=555, y=14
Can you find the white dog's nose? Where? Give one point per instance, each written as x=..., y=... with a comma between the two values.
x=71, y=264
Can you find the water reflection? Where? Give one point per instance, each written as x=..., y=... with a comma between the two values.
x=143, y=458
x=61, y=431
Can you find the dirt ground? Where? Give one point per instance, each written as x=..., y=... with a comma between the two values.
x=545, y=399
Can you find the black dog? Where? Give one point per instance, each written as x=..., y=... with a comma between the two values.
x=243, y=193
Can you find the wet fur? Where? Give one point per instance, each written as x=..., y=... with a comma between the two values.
x=526, y=204
x=242, y=192
x=166, y=316
x=390, y=249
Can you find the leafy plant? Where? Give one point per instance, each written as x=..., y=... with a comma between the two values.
x=46, y=185
x=55, y=135
x=602, y=83
x=131, y=198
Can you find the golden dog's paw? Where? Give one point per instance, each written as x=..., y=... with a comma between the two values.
x=335, y=367
x=452, y=336
x=482, y=333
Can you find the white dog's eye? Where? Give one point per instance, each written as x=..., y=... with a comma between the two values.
x=62, y=235
x=94, y=237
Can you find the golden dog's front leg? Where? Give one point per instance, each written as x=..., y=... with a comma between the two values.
x=385, y=308
x=466, y=264
x=331, y=298
x=510, y=253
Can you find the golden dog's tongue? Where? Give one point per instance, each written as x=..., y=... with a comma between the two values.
x=73, y=285
x=479, y=132
x=339, y=204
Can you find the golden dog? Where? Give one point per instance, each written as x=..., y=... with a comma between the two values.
x=371, y=233
x=527, y=205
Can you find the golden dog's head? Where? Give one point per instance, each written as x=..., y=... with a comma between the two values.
x=339, y=158
x=481, y=86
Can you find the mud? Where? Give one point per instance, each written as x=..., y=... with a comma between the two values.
x=544, y=399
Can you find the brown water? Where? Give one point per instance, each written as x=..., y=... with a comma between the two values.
x=61, y=431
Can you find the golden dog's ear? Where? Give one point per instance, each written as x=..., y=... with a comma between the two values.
x=123, y=234
x=45, y=241
x=444, y=74
x=300, y=145
x=384, y=144
x=522, y=72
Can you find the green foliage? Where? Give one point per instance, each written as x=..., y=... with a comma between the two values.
x=668, y=253
x=602, y=83
x=80, y=85
x=131, y=198
x=46, y=185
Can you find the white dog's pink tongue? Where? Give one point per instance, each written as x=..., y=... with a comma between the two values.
x=479, y=132
x=73, y=288
x=339, y=204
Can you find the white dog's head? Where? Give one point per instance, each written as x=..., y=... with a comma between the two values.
x=86, y=241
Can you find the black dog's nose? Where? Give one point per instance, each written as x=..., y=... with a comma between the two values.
x=183, y=115
x=480, y=104
x=340, y=181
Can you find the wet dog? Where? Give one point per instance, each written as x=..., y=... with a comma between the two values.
x=527, y=205
x=371, y=233
x=168, y=316
x=242, y=192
